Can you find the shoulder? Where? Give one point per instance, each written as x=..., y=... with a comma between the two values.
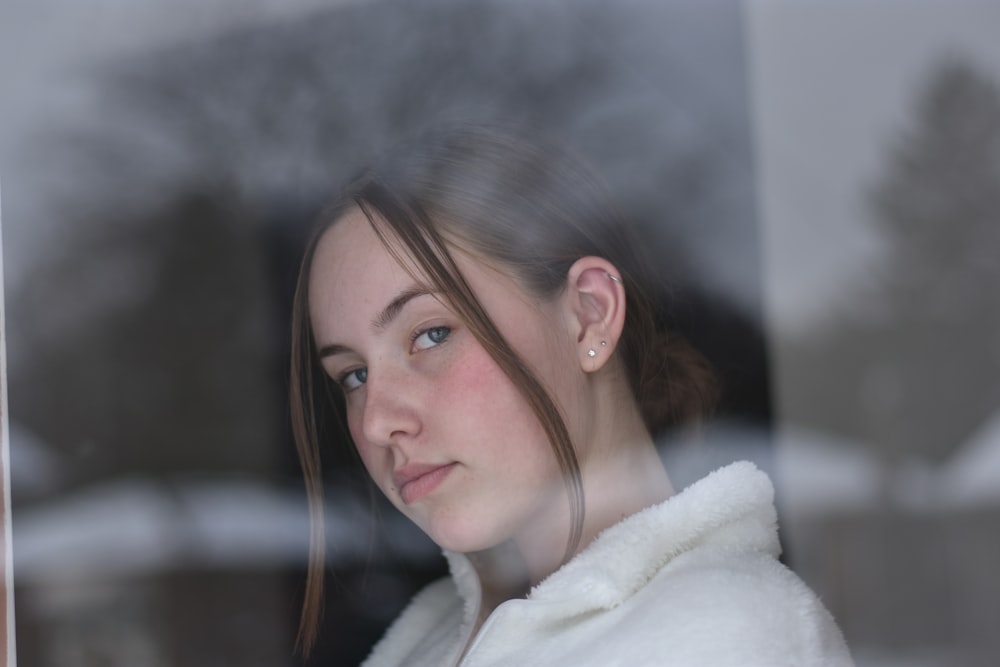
x=732, y=606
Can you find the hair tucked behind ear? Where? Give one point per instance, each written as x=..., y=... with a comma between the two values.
x=535, y=211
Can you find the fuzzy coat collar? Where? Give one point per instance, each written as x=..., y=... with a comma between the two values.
x=693, y=578
x=734, y=504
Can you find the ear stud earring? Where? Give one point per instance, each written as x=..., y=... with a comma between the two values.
x=593, y=353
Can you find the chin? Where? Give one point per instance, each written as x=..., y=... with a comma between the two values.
x=462, y=537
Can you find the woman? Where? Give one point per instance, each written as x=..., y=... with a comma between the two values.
x=484, y=321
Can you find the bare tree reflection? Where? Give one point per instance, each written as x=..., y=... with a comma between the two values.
x=907, y=367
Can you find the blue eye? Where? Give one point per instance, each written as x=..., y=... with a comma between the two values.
x=351, y=380
x=428, y=338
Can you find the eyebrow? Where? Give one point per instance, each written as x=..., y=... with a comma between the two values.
x=383, y=319
x=389, y=313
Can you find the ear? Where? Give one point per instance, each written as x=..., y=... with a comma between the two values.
x=595, y=298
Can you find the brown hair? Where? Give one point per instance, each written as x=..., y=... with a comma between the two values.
x=535, y=211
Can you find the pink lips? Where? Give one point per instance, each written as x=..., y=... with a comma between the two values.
x=416, y=480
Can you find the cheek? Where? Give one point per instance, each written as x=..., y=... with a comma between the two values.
x=505, y=429
x=480, y=390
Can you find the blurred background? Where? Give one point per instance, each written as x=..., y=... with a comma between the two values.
x=821, y=181
x=878, y=151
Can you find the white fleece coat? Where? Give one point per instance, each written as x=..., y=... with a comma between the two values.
x=693, y=581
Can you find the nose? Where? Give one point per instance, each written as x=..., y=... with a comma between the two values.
x=391, y=411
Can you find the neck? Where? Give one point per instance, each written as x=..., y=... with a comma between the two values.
x=621, y=469
x=502, y=575
x=632, y=480
x=626, y=479
x=619, y=478
x=621, y=473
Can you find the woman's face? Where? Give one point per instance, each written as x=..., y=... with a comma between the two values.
x=440, y=427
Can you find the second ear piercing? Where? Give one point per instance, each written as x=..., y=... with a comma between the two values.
x=593, y=353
